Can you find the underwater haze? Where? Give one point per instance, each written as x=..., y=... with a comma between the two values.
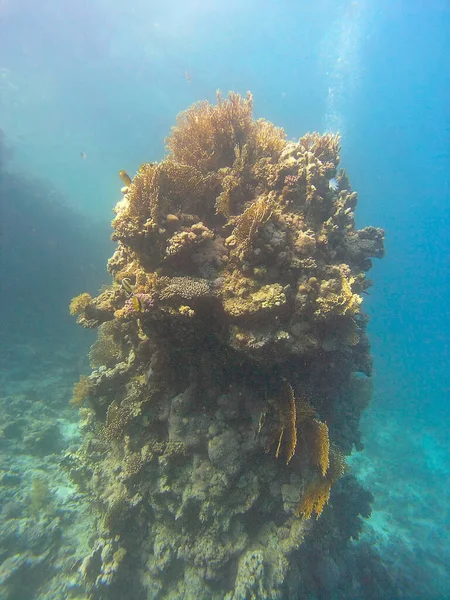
x=231, y=359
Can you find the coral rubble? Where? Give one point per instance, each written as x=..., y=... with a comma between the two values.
x=225, y=390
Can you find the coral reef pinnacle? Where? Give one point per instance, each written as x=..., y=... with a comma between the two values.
x=229, y=342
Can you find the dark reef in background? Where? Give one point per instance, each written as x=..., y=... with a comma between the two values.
x=47, y=252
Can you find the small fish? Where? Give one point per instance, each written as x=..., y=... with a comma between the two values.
x=125, y=177
x=333, y=184
x=187, y=76
x=137, y=304
x=83, y=155
x=126, y=284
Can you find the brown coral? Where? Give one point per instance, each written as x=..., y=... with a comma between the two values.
x=248, y=224
x=117, y=418
x=81, y=391
x=139, y=205
x=205, y=136
x=184, y=241
x=336, y=296
x=325, y=148
x=184, y=288
x=79, y=303
x=106, y=350
x=258, y=302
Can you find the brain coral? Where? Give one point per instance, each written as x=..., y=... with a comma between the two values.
x=249, y=338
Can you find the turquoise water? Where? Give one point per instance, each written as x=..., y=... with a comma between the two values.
x=90, y=88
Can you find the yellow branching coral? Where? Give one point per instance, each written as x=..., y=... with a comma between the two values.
x=79, y=303
x=316, y=435
x=291, y=422
x=143, y=192
x=253, y=162
x=162, y=197
x=299, y=415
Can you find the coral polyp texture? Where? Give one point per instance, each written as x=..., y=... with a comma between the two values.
x=231, y=364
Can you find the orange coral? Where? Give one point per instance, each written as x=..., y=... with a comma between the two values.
x=183, y=188
x=316, y=435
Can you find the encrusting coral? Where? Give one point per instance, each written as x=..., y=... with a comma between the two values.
x=224, y=367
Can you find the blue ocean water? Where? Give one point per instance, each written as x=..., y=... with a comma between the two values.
x=91, y=87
